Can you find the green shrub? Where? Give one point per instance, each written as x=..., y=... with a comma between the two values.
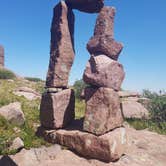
x=34, y=79
x=156, y=105
x=79, y=85
x=6, y=74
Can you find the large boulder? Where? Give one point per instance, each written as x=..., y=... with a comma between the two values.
x=62, y=46
x=89, y=6
x=103, y=40
x=13, y=113
x=57, y=109
x=102, y=71
x=133, y=109
x=103, y=111
x=1, y=56
x=108, y=147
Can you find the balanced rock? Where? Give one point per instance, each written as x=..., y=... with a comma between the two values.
x=1, y=56
x=104, y=45
x=102, y=42
x=102, y=71
x=13, y=113
x=108, y=147
x=57, y=109
x=62, y=49
x=105, y=22
x=89, y=6
x=103, y=111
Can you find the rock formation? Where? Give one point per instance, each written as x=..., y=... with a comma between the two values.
x=100, y=135
x=57, y=106
x=1, y=56
x=62, y=49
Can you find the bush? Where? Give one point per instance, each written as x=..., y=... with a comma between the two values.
x=79, y=85
x=34, y=79
x=6, y=74
x=157, y=105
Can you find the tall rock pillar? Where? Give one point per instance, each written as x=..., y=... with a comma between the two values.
x=57, y=105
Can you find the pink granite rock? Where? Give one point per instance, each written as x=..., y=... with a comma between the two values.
x=62, y=49
x=57, y=109
x=102, y=110
x=89, y=6
x=106, y=45
x=108, y=147
x=105, y=22
x=102, y=71
x=1, y=56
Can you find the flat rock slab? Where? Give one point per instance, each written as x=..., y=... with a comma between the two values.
x=103, y=111
x=108, y=147
x=57, y=109
x=62, y=49
x=101, y=71
x=88, y=6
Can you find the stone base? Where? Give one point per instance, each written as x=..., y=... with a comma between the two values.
x=108, y=147
x=57, y=109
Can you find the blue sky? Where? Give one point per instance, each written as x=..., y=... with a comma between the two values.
x=139, y=24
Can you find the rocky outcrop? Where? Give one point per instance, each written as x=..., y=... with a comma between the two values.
x=89, y=6
x=57, y=109
x=62, y=48
x=102, y=110
x=13, y=113
x=1, y=56
x=28, y=93
x=102, y=71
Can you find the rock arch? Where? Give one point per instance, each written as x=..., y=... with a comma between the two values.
x=103, y=73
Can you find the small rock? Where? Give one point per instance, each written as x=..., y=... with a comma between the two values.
x=13, y=113
x=17, y=144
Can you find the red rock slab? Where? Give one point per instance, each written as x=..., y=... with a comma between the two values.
x=108, y=147
x=57, y=109
x=62, y=46
x=88, y=6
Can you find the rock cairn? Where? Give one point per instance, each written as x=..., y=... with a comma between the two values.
x=105, y=75
x=100, y=134
x=1, y=57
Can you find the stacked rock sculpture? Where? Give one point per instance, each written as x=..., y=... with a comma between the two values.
x=105, y=75
x=100, y=134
